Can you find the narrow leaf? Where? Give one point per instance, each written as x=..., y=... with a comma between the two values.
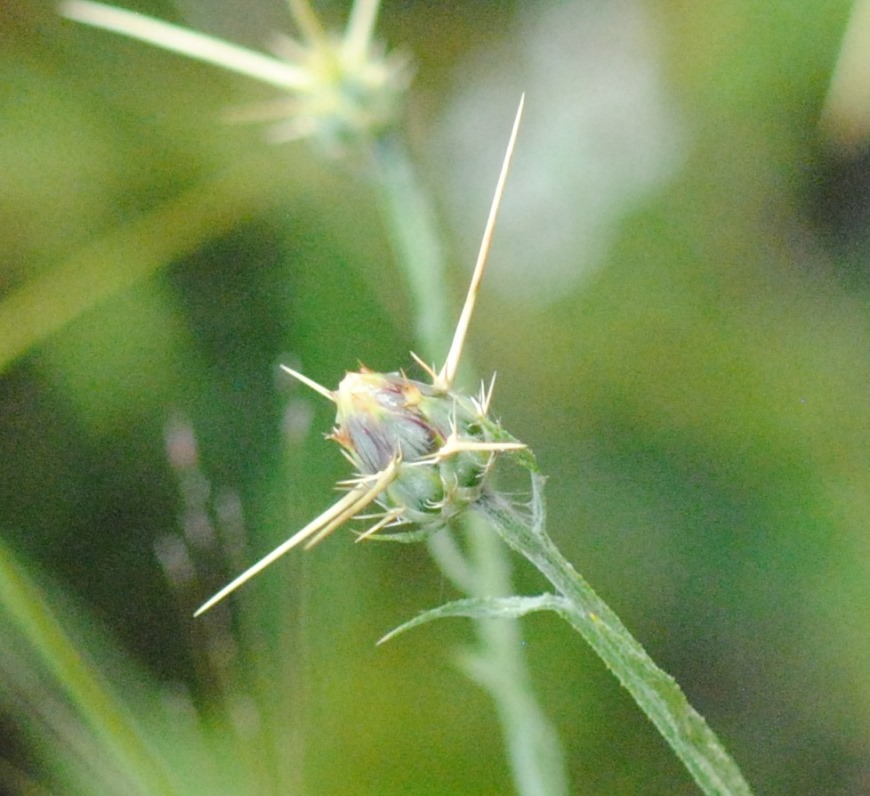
x=484, y=608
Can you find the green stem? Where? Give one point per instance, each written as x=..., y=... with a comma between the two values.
x=411, y=225
x=498, y=664
x=656, y=692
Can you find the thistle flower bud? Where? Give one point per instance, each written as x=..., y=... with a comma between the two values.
x=422, y=451
x=441, y=443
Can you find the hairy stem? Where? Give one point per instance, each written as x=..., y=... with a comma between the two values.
x=656, y=692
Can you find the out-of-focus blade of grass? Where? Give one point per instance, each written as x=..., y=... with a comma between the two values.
x=98, y=723
x=126, y=255
x=112, y=724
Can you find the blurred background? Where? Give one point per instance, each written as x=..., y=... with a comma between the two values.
x=677, y=307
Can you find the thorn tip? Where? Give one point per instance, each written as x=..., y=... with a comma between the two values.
x=319, y=388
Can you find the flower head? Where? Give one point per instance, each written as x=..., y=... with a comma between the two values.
x=440, y=445
x=342, y=88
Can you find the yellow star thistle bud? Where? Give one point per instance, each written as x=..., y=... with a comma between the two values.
x=422, y=451
x=387, y=417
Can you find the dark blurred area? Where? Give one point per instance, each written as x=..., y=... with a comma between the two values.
x=839, y=200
